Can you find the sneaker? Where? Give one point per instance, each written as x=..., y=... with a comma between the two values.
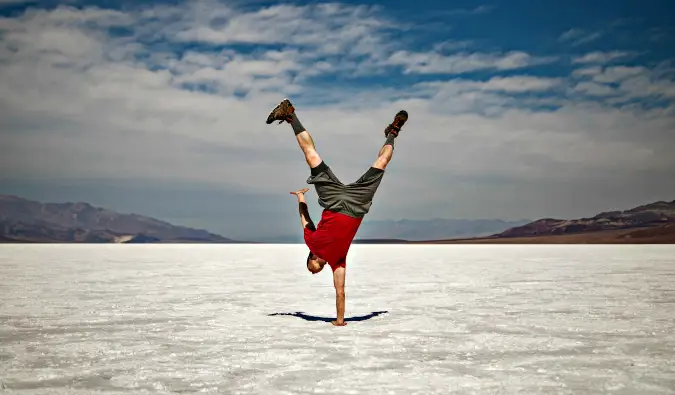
x=399, y=121
x=282, y=112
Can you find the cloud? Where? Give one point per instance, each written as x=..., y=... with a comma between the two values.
x=587, y=71
x=602, y=57
x=434, y=63
x=178, y=94
x=629, y=82
x=619, y=73
x=520, y=84
x=452, y=45
x=481, y=9
x=594, y=89
x=642, y=86
x=303, y=25
x=578, y=37
x=508, y=85
x=358, y=34
x=571, y=34
x=659, y=33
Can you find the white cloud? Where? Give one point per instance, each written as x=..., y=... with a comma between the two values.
x=571, y=34
x=630, y=81
x=619, y=73
x=283, y=24
x=594, y=89
x=521, y=84
x=467, y=94
x=452, y=45
x=481, y=9
x=587, y=71
x=643, y=86
x=577, y=36
x=601, y=57
x=78, y=102
x=434, y=63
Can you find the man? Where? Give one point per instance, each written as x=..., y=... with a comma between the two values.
x=344, y=205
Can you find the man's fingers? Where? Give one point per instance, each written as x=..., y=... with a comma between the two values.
x=304, y=190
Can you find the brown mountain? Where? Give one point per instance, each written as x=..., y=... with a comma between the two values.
x=23, y=220
x=651, y=223
x=654, y=214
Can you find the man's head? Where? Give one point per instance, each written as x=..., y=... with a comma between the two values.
x=314, y=263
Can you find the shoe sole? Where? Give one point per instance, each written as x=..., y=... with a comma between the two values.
x=401, y=114
x=271, y=118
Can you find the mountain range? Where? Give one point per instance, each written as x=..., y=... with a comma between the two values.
x=652, y=223
x=23, y=220
x=653, y=214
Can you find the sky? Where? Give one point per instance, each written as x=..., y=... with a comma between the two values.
x=517, y=109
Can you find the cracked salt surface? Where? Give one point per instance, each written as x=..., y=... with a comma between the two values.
x=249, y=319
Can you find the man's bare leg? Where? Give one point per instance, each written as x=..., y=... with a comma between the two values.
x=307, y=146
x=391, y=132
x=305, y=141
x=385, y=154
x=285, y=112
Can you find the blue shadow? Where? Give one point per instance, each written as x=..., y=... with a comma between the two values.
x=307, y=317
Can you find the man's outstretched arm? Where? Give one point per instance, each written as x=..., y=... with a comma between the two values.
x=305, y=219
x=339, y=282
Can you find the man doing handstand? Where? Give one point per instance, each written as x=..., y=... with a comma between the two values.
x=344, y=205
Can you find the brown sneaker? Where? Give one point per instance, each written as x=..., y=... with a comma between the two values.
x=399, y=121
x=282, y=112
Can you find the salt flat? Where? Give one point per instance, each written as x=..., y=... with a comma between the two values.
x=245, y=319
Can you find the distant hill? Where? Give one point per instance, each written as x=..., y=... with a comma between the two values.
x=27, y=221
x=23, y=220
x=650, y=223
x=653, y=214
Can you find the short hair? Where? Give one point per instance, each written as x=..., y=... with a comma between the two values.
x=308, y=258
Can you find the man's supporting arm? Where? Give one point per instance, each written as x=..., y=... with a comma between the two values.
x=339, y=282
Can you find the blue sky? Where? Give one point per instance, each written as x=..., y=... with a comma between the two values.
x=517, y=109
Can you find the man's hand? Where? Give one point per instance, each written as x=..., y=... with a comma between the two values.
x=300, y=192
x=339, y=323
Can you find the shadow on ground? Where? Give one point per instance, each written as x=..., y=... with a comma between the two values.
x=307, y=317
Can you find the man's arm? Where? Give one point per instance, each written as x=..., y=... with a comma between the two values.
x=305, y=219
x=339, y=282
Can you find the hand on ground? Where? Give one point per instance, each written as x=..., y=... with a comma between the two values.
x=300, y=192
x=336, y=323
